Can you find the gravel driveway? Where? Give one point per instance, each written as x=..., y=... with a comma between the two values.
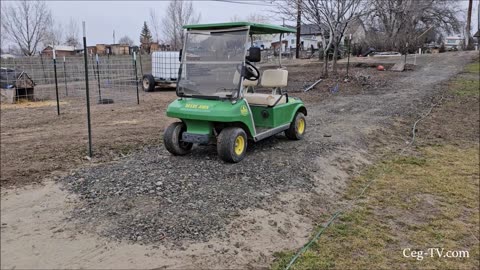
x=152, y=197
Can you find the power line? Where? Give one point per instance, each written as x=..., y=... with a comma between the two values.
x=252, y=3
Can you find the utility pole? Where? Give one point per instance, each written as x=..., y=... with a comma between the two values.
x=299, y=28
x=113, y=36
x=469, y=22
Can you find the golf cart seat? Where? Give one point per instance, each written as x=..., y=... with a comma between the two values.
x=264, y=99
x=246, y=83
x=275, y=78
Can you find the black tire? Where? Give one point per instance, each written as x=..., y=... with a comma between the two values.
x=148, y=83
x=228, y=146
x=296, y=131
x=172, y=139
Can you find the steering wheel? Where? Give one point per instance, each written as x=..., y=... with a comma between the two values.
x=251, y=72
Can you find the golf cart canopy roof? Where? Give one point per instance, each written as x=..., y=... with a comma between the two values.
x=255, y=28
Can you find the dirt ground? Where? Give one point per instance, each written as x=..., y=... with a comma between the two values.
x=37, y=142
x=344, y=126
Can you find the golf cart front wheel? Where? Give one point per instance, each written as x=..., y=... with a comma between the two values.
x=297, y=127
x=232, y=144
x=172, y=139
x=148, y=83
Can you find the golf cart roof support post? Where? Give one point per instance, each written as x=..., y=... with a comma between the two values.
x=280, y=51
x=182, y=56
x=240, y=84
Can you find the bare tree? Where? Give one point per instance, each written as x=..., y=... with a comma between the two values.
x=54, y=35
x=72, y=33
x=236, y=18
x=178, y=14
x=126, y=40
x=253, y=17
x=155, y=24
x=335, y=16
x=396, y=23
x=257, y=18
x=332, y=17
x=26, y=23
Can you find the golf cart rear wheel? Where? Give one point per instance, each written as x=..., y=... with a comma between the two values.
x=172, y=138
x=297, y=127
x=232, y=144
x=148, y=83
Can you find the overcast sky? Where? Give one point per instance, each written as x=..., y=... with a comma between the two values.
x=127, y=17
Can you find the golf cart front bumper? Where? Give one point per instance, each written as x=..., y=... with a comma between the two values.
x=195, y=138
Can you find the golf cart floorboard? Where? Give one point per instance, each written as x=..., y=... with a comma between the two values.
x=263, y=133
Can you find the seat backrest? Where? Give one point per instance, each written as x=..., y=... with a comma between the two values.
x=246, y=83
x=274, y=78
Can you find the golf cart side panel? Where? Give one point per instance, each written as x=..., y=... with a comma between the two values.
x=205, y=110
x=271, y=117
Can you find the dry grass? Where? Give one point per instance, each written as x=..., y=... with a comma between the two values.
x=414, y=202
x=32, y=104
x=427, y=200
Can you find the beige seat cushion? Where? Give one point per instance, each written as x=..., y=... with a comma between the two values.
x=246, y=83
x=263, y=99
x=274, y=78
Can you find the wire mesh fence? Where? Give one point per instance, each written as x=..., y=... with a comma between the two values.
x=111, y=78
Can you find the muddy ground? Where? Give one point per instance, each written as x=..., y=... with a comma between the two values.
x=86, y=218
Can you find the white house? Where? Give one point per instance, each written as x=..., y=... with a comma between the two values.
x=310, y=36
x=452, y=43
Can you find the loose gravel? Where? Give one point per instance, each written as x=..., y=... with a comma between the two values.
x=152, y=196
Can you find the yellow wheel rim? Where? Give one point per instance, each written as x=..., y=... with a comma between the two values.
x=239, y=145
x=301, y=126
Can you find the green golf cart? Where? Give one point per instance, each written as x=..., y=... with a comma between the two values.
x=217, y=101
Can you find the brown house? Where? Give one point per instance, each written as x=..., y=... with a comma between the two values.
x=120, y=49
x=101, y=49
x=92, y=50
x=60, y=51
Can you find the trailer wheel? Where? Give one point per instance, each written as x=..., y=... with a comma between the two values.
x=297, y=127
x=232, y=144
x=148, y=83
x=172, y=139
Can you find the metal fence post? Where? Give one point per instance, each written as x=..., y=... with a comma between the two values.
x=56, y=81
x=140, y=58
x=43, y=68
x=65, y=76
x=87, y=91
x=348, y=55
x=136, y=75
x=98, y=80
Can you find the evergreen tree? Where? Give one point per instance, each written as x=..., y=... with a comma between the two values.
x=145, y=35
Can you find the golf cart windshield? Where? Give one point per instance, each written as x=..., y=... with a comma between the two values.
x=210, y=61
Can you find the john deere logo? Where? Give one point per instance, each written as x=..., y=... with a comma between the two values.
x=243, y=110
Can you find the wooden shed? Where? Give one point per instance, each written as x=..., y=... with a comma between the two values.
x=15, y=85
x=101, y=49
x=120, y=49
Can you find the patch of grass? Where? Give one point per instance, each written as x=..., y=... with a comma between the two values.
x=413, y=202
x=473, y=68
x=468, y=85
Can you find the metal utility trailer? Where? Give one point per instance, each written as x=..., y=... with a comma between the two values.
x=165, y=67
